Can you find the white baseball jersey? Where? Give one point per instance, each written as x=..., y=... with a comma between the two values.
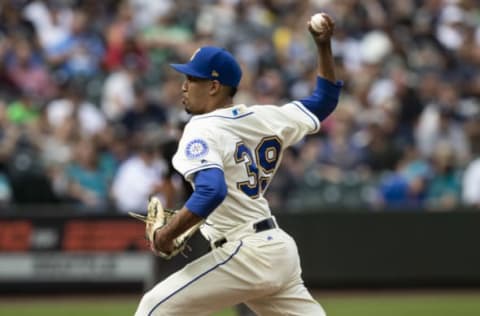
x=247, y=144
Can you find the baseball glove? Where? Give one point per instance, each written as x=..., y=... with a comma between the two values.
x=157, y=217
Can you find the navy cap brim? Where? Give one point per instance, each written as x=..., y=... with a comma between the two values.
x=187, y=70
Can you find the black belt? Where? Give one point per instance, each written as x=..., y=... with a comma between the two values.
x=261, y=226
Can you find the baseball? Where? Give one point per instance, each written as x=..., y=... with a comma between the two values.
x=318, y=22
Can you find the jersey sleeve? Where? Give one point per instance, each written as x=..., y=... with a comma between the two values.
x=295, y=121
x=197, y=150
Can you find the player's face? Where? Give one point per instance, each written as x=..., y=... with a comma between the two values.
x=195, y=94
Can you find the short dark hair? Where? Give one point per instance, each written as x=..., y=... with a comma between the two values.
x=232, y=91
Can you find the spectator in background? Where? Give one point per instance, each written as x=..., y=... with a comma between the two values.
x=429, y=83
x=79, y=53
x=405, y=188
x=117, y=143
x=122, y=41
x=58, y=150
x=165, y=36
x=444, y=188
x=450, y=29
x=270, y=87
x=472, y=128
x=88, y=177
x=146, y=13
x=13, y=22
x=5, y=191
x=395, y=94
x=23, y=141
x=26, y=69
x=89, y=119
x=9, y=135
x=144, y=115
x=471, y=184
x=169, y=96
x=381, y=151
x=52, y=21
x=140, y=176
x=442, y=121
x=24, y=111
x=340, y=149
x=293, y=48
x=118, y=94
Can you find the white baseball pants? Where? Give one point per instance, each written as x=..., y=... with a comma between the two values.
x=261, y=270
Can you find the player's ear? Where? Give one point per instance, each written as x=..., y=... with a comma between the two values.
x=215, y=87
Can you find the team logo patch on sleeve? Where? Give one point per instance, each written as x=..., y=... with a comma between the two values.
x=196, y=148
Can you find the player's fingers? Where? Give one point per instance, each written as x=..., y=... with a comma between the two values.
x=154, y=249
x=323, y=34
x=327, y=17
x=315, y=33
x=330, y=22
x=318, y=36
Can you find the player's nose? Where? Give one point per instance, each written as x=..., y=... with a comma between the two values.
x=185, y=85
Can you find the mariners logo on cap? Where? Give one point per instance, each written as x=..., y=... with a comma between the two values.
x=196, y=148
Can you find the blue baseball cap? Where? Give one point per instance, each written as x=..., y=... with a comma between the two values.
x=214, y=63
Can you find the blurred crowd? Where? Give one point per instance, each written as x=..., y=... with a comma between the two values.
x=90, y=112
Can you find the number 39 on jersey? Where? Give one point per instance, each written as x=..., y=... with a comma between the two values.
x=266, y=156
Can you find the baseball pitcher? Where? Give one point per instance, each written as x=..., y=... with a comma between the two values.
x=229, y=153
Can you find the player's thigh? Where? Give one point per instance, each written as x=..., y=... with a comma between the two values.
x=292, y=301
x=200, y=288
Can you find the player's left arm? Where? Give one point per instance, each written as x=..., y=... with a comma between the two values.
x=210, y=191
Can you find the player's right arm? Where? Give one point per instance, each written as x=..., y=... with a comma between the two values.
x=304, y=116
x=324, y=98
x=326, y=66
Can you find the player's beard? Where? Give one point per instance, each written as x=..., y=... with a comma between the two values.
x=187, y=108
x=185, y=105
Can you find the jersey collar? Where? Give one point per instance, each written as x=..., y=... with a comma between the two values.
x=233, y=111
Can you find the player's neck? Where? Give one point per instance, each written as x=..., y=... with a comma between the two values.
x=224, y=103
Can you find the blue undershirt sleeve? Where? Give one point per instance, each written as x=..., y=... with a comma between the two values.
x=210, y=191
x=324, y=98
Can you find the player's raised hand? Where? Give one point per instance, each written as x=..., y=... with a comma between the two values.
x=321, y=26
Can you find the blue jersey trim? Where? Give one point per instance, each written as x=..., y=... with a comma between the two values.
x=205, y=166
x=308, y=113
x=225, y=117
x=197, y=278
